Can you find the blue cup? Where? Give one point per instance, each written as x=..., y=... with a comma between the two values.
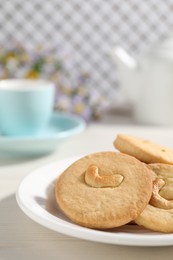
x=26, y=106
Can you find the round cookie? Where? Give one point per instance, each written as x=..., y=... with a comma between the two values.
x=156, y=219
x=144, y=150
x=104, y=190
x=158, y=215
x=165, y=172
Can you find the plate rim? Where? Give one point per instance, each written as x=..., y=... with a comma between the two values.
x=64, y=227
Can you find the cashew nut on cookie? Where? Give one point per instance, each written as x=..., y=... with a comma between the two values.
x=93, y=178
x=158, y=201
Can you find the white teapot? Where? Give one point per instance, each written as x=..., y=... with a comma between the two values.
x=148, y=82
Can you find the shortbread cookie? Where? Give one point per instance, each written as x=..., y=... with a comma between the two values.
x=104, y=190
x=156, y=219
x=164, y=172
x=144, y=150
x=158, y=215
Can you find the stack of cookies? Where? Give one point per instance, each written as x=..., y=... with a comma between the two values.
x=110, y=189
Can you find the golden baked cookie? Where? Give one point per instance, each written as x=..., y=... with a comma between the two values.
x=155, y=219
x=104, y=190
x=164, y=172
x=158, y=215
x=144, y=150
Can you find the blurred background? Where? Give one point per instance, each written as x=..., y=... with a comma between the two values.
x=69, y=42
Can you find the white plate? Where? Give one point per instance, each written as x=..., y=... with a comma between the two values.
x=35, y=197
x=60, y=127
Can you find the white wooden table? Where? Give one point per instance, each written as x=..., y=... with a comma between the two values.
x=22, y=238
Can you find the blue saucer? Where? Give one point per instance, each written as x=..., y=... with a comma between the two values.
x=61, y=127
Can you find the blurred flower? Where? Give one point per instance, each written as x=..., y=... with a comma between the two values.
x=73, y=93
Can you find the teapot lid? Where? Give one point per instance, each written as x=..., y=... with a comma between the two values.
x=164, y=48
